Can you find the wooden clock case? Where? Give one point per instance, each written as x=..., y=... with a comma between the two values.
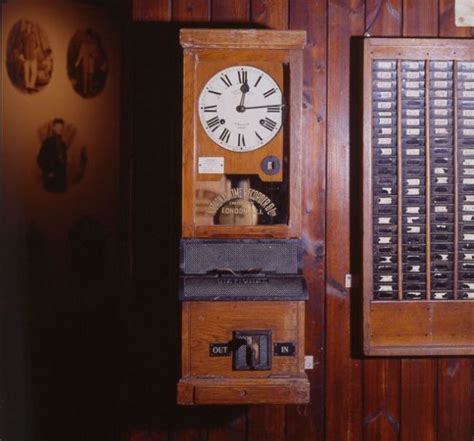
x=215, y=324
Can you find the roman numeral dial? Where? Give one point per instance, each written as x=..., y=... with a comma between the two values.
x=241, y=108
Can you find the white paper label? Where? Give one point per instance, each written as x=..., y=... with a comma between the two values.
x=441, y=93
x=413, y=192
x=468, y=162
x=211, y=165
x=383, y=84
x=468, y=94
x=441, y=209
x=413, y=132
x=468, y=132
x=440, y=65
x=467, y=217
x=384, y=220
x=384, y=75
x=413, y=152
x=441, y=112
x=385, y=240
x=441, y=131
x=386, y=131
x=468, y=208
x=469, y=122
x=385, y=201
x=468, y=112
x=384, y=105
x=413, y=210
x=468, y=85
x=385, y=95
x=468, y=181
x=440, y=75
x=386, y=152
x=413, y=93
x=413, y=181
x=413, y=112
x=384, y=141
x=413, y=122
x=441, y=103
x=385, y=120
x=384, y=64
x=442, y=180
x=441, y=122
x=413, y=75
x=441, y=84
x=468, y=152
x=414, y=229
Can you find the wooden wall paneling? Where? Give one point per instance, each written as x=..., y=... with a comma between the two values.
x=343, y=373
x=383, y=18
x=307, y=422
x=447, y=27
x=419, y=376
x=381, y=400
x=420, y=19
x=267, y=422
x=151, y=10
x=382, y=376
x=454, y=402
x=418, y=400
x=191, y=10
x=231, y=12
x=272, y=14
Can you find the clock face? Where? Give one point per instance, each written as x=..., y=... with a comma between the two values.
x=241, y=108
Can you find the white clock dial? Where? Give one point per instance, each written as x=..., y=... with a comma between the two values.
x=240, y=108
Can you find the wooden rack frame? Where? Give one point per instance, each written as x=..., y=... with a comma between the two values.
x=427, y=325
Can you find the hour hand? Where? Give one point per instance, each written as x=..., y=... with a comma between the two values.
x=244, y=88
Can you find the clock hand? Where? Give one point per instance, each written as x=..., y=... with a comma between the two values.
x=263, y=107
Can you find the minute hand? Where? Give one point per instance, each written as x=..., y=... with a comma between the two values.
x=262, y=107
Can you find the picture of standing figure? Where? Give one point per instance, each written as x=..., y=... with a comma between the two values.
x=59, y=167
x=87, y=63
x=29, y=57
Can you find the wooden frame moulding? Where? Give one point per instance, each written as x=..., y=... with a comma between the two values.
x=411, y=327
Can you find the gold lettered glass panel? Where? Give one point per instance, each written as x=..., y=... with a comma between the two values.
x=241, y=200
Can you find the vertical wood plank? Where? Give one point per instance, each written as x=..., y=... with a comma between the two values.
x=234, y=430
x=343, y=373
x=420, y=19
x=382, y=376
x=191, y=10
x=230, y=12
x=418, y=400
x=383, y=17
x=307, y=422
x=454, y=399
x=381, y=400
x=447, y=27
x=151, y=10
x=272, y=14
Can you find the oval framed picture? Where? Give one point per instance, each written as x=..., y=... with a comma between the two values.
x=87, y=63
x=29, y=58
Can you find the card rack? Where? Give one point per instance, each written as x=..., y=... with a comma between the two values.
x=418, y=196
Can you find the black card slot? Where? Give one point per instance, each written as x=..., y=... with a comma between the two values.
x=438, y=142
x=442, y=217
x=442, y=161
x=441, y=267
x=463, y=256
x=464, y=141
x=442, y=276
x=413, y=163
x=385, y=210
x=386, y=200
x=441, y=151
x=414, y=210
x=384, y=95
x=414, y=229
x=467, y=228
x=385, y=230
x=385, y=181
x=442, y=199
x=414, y=294
x=413, y=249
x=465, y=103
x=466, y=246
x=441, y=295
x=387, y=259
x=414, y=278
x=414, y=259
x=442, y=188
x=385, y=170
x=413, y=103
x=386, y=250
x=413, y=200
x=413, y=65
x=385, y=268
x=417, y=172
x=441, y=92
x=414, y=220
x=413, y=239
x=441, y=248
x=442, y=228
x=386, y=295
x=385, y=131
x=386, y=279
x=442, y=257
x=413, y=191
x=442, y=237
x=466, y=276
x=466, y=266
x=416, y=268
x=414, y=286
x=380, y=191
x=441, y=285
